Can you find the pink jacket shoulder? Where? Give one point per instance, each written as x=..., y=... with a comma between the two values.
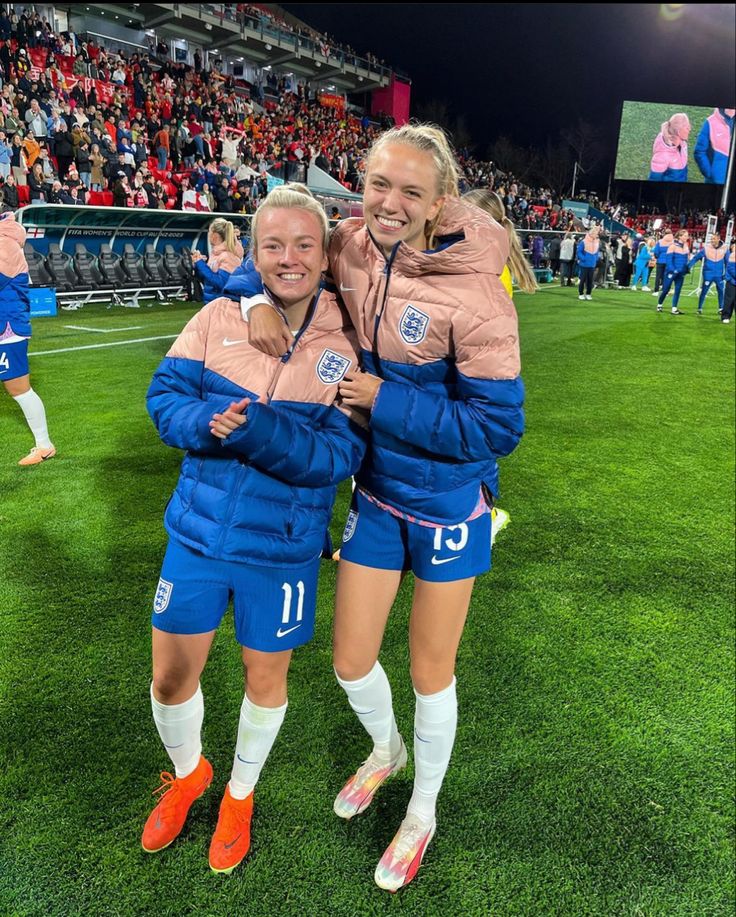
x=12, y=239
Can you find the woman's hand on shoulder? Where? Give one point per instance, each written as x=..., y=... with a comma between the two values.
x=267, y=331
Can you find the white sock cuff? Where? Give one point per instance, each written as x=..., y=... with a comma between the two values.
x=363, y=682
x=170, y=713
x=248, y=708
x=440, y=697
x=25, y=396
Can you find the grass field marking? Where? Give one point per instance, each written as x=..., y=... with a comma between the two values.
x=160, y=337
x=103, y=330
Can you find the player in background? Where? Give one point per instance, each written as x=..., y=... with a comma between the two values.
x=420, y=276
x=267, y=440
x=713, y=146
x=729, y=296
x=517, y=268
x=713, y=254
x=660, y=253
x=588, y=252
x=669, y=150
x=15, y=332
x=226, y=254
x=676, y=268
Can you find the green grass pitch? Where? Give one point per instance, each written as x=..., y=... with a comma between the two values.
x=593, y=769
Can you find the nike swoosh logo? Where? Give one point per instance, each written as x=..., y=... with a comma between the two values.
x=344, y=289
x=173, y=746
x=232, y=843
x=283, y=633
x=448, y=560
x=228, y=343
x=246, y=761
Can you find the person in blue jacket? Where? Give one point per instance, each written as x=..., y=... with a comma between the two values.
x=676, y=268
x=713, y=145
x=660, y=254
x=729, y=296
x=266, y=442
x=226, y=254
x=644, y=254
x=588, y=252
x=713, y=255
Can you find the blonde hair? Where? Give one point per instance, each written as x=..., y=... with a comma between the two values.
x=285, y=197
x=518, y=265
x=431, y=139
x=226, y=231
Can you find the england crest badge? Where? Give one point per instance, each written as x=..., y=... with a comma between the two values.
x=350, y=526
x=413, y=325
x=163, y=594
x=332, y=367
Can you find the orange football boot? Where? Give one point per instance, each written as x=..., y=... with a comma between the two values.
x=231, y=840
x=166, y=821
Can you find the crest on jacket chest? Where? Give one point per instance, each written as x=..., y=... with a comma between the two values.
x=332, y=367
x=413, y=325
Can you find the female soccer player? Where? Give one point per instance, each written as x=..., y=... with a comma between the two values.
x=714, y=255
x=675, y=269
x=266, y=442
x=15, y=332
x=644, y=255
x=438, y=335
x=588, y=254
x=226, y=254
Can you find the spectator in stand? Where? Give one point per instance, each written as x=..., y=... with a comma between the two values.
x=588, y=254
x=713, y=256
x=537, y=252
x=36, y=119
x=63, y=149
x=660, y=253
x=31, y=148
x=122, y=196
x=161, y=143
x=6, y=155
x=678, y=255
x=19, y=163
x=10, y=192
x=96, y=161
x=669, y=152
x=226, y=254
x=39, y=190
x=567, y=257
x=642, y=264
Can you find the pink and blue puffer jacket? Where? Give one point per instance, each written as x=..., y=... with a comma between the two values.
x=14, y=299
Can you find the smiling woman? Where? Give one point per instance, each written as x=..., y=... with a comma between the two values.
x=267, y=440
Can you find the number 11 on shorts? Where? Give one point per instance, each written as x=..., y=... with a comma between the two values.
x=288, y=593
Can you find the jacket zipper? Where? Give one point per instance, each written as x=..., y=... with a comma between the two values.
x=379, y=313
x=287, y=356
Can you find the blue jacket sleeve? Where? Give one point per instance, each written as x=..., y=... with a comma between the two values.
x=700, y=153
x=486, y=422
x=300, y=453
x=244, y=281
x=696, y=258
x=176, y=407
x=214, y=279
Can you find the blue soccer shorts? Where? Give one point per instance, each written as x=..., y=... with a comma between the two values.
x=13, y=360
x=374, y=537
x=274, y=607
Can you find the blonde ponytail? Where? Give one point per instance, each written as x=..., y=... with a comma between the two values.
x=520, y=268
x=226, y=231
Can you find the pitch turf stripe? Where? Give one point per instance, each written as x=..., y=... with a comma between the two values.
x=45, y=353
x=103, y=330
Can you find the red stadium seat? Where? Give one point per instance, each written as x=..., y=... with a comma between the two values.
x=24, y=195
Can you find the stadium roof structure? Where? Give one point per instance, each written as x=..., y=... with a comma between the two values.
x=215, y=28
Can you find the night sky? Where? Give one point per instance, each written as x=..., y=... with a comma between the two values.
x=527, y=70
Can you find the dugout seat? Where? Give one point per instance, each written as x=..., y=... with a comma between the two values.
x=110, y=267
x=38, y=274
x=60, y=266
x=133, y=267
x=85, y=264
x=177, y=266
x=153, y=264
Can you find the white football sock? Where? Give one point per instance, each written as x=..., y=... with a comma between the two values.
x=370, y=698
x=435, y=722
x=180, y=728
x=35, y=415
x=257, y=732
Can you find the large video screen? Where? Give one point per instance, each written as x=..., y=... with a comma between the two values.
x=674, y=143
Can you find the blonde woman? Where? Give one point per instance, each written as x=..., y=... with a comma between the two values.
x=226, y=254
x=267, y=440
x=420, y=275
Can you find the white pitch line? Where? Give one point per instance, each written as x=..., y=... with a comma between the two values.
x=103, y=330
x=44, y=353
